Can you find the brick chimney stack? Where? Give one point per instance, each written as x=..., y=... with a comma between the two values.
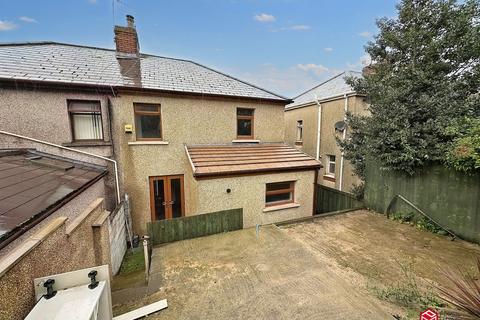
x=126, y=40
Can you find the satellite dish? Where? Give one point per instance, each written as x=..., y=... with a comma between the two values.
x=340, y=126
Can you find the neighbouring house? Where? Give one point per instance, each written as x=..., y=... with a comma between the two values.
x=155, y=115
x=316, y=119
x=52, y=220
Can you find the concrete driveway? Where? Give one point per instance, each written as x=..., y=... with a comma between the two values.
x=239, y=276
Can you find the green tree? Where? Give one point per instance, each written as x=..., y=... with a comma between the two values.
x=425, y=76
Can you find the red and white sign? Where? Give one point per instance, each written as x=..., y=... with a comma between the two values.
x=429, y=314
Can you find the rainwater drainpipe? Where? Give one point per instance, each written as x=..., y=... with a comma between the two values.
x=319, y=126
x=115, y=167
x=340, y=187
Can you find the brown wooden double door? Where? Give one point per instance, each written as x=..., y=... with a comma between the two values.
x=166, y=197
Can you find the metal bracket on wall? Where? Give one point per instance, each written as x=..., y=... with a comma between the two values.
x=419, y=210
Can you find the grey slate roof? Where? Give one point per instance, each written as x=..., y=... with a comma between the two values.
x=72, y=64
x=334, y=86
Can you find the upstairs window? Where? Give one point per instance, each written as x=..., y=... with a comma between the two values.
x=85, y=120
x=299, y=137
x=330, y=170
x=245, y=123
x=147, y=121
x=279, y=193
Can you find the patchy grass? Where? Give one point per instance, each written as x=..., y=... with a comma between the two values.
x=132, y=262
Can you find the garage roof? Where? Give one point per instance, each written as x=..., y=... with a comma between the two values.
x=34, y=184
x=235, y=159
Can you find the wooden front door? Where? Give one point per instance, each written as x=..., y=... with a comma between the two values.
x=166, y=197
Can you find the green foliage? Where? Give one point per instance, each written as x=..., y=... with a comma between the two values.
x=425, y=76
x=358, y=191
x=419, y=221
x=464, y=152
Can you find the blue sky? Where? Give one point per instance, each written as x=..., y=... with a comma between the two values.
x=286, y=46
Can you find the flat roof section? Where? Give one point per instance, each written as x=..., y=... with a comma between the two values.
x=235, y=159
x=34, y=184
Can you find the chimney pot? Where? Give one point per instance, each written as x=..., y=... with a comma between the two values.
x=130, y=21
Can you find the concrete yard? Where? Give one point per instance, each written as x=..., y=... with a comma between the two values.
x=239, y=276
x=358, y=265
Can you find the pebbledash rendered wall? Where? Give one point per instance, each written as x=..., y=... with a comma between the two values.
x=332, y=112
x=452, y=198
x=248, y=192
x=185, y=120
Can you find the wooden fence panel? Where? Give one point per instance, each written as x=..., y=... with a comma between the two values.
x=329, y=200
x=164, y=231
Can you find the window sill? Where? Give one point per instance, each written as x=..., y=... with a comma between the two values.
x=329, y=178
x=87, y=144
x=139, y=143
x=281, y=207
x=245, y=141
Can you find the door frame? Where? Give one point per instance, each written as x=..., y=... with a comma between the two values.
x=167, y=193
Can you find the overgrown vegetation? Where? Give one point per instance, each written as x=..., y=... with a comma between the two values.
x=406, y=292
x=423, y=88
x=421, y=222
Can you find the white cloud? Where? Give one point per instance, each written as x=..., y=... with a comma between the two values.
x=317, y=69
x=328, y=49
x=365, y=34
x=264, y=17
x=297, y=27
x=288, y=81
x=7, y=25
x=27, y=19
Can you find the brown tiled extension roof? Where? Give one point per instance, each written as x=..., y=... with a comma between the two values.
x=33, y=185
x=238, y=159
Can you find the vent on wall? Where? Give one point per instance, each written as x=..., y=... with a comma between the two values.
x=340, y=126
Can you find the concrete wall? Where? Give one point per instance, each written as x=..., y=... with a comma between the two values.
x=62, y=245
x=248, y=192
x=185, y=120
x=332, y=112
x=117, y=237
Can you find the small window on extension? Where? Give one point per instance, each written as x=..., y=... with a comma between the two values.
x=279, y=193
x=148, y=124
x=245, y=123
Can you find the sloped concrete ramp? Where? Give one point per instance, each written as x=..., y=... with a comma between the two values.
x=236, y=275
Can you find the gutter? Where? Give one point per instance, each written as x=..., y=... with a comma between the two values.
x=326, y=99
x=319, y=127
x=115, y=167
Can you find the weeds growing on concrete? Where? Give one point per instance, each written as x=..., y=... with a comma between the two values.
x=408, y=293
